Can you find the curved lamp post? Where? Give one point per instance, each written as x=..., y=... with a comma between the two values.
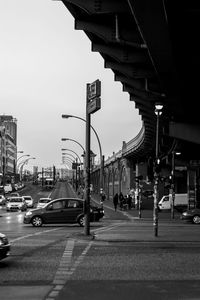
x=100, y=149
x=67, y=139
x=64, y=149
x=158, y=112
x=25, y=155
x=23, y=163
x=75, y=158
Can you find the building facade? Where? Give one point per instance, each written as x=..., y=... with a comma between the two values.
x=8, y=147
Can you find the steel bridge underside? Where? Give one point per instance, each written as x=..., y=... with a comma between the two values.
x=152, y=49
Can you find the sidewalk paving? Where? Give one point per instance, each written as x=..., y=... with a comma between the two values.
x=135, y=229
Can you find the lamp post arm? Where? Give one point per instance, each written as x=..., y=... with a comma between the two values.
x=74, y=153
x=22, y=156
x=93, y=131
x=100, y=149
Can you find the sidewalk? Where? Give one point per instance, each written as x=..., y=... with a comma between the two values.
x=135, y=229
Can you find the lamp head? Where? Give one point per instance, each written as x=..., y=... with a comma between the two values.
x=66, y=116
x=178, y=153
x=63, y=139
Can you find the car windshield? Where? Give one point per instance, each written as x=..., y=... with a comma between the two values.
x=16, y=200
x=27, y=198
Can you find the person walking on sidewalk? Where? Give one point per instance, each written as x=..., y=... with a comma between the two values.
x=121, y=200
x=115, y=201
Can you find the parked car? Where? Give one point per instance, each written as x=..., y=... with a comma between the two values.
x=191, y=215
x=62, y=210
x=2, y=200
x=16, y=203
x=42, y=202
x=4, y=246
x=15, y=194
x=28, y=200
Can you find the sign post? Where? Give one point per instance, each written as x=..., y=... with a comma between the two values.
x=93, y=103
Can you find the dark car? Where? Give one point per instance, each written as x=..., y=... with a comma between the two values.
x=4, y=246
x=62, y=210
x=192, y=215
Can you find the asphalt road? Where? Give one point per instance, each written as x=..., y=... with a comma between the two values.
x=59, y=262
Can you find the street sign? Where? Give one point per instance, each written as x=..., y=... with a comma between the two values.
x=94, y=105
x=94, y=90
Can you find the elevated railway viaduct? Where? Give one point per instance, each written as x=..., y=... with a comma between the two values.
x=152, y=49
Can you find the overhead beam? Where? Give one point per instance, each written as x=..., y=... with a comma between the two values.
x=129, y=70
x=120, y=53
x=99, y=6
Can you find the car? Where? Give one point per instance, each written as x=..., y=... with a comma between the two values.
x=42, y=202
x=16, y=203
x=28, y=200
x=2, y=200
x=62, y=210
x=4, y=246
x=191, y=215
x=12, y=195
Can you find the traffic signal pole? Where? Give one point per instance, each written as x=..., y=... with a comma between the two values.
x=93, y=104
x=87, y=169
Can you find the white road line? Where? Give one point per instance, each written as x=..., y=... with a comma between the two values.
x=33, y=234
x=65, y=271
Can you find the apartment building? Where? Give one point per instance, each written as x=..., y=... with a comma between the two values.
x=8, y=147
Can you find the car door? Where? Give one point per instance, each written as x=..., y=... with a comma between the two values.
x=73, y=208
x=54, y=212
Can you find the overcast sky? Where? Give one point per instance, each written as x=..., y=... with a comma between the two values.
x=45, y=65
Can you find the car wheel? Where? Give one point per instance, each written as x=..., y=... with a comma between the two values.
x=37, y=221
x=81, y=221
x=196, y=219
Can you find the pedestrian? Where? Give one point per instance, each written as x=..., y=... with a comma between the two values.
x=115, y=201
x=103, y=197
x=121, y=200
x=129, y=201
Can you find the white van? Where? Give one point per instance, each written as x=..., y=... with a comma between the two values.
x=180, y=202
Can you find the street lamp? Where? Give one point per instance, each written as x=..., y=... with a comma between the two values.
x=67, y=139
x=64, y=149
x=173, y=181
x=23, y=163
x=158, y=112
x=25, y=155
x=79, y=168
x=64, y=153
x=100, y=149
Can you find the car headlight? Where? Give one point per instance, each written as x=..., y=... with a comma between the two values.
x=29, y=213
x=1, y=242
x=185, y=213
